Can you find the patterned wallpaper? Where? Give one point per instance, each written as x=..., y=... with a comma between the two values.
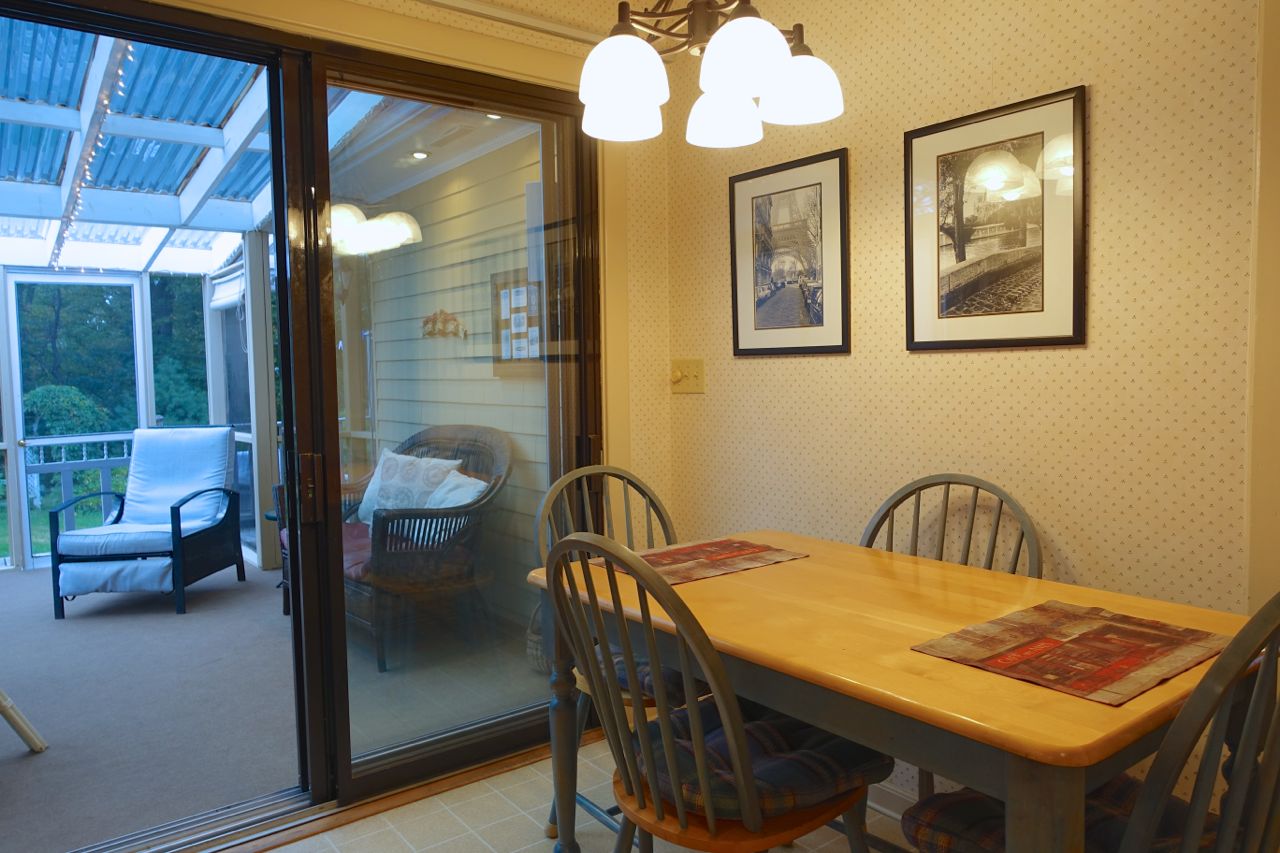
x=1129, y=452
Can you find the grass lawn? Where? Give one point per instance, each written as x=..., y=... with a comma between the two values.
x=88, y=514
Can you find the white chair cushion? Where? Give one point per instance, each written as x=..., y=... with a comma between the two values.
x=153, y=575
x=112, y=539
x=457, y=490
x=403, y=482
x=169, y=464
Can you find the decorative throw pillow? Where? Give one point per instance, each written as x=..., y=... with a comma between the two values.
x=403, y=482
x=457, y=490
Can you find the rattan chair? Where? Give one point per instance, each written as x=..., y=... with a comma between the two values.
x=973, y=494
x=423, y=555
x=600, y=499
x=1235, y=704
x=719, y=774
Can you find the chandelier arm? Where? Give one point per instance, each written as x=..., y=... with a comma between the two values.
x=660, y=11
x=671, y=33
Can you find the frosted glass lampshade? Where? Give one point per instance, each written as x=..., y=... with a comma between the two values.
x=345, y=222
x=743, y=58
x=720, y=120
x=807, y=91
x=619, y=121
x=624, y=67
x=994, y=171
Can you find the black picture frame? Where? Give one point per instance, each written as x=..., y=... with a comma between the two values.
x=957, y=301
x=781, y=300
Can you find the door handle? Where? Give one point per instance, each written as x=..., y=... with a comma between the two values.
x=22, y=442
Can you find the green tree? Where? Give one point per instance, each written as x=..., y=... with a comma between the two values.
x=62, y=410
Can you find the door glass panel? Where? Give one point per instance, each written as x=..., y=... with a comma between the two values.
x=441, y=305
x=76, y=358
x=178, y=350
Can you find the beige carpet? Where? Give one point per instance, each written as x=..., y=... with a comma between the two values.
x=150, y=716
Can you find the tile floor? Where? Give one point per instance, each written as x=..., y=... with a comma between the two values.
x=507, y=814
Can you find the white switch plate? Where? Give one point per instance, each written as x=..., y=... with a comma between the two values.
x=687, y=376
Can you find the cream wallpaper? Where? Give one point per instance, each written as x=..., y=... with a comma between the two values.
x=1129, y=452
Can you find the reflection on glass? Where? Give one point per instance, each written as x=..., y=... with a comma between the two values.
x=6, y=549
x=441, y=309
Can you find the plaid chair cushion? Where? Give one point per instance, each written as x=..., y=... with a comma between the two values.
x=795, y=765
x=672, y=680
x=967, y=821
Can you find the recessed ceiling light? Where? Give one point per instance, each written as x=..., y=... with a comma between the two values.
x=420, y=155
x=494, y=116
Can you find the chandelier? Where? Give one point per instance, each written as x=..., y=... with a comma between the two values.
x=752, y=72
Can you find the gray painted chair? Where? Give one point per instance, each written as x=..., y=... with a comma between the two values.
x=970, y=492
x=688, y=777
x=588, y=500
x=1235, y=704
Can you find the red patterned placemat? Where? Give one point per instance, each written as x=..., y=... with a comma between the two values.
x=1085, y=651
x=693, y=561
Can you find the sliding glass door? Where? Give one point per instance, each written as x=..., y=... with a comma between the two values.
x=456, y=282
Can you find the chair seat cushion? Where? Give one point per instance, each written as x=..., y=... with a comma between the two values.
x=672, y=680
x=966, y=821
x=116, y=539
x=795, y=765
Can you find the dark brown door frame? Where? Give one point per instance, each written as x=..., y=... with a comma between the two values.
x=301, y=67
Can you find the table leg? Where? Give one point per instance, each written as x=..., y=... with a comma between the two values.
x=564, y=735
x=1044, y=807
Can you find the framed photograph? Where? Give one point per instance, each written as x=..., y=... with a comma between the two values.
x=995, y=227
x=789, y=251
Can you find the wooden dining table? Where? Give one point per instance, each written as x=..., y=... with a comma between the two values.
x=828, y=639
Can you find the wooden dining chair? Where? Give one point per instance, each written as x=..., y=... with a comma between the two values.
x=971, y=497
x=720, y=773
x=1235, y=704
x=613, y=501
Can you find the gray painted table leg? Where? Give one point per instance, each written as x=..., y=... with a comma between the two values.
x=1044, y=807
x=564, y=738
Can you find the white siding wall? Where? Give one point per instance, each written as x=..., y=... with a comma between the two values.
x=473, y=226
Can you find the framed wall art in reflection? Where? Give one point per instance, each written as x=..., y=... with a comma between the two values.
x=995, y=227
x=789, y=250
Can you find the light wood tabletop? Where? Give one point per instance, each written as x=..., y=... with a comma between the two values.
x=845, y=618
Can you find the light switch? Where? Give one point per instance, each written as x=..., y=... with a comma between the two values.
x=687, y=376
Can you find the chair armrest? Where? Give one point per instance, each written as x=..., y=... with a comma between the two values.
x=422, y=529
x=175, y=511
x=185, y=499
x=66, y=505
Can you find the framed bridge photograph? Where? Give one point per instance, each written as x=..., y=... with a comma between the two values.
x=995, y=227
x=789, y=250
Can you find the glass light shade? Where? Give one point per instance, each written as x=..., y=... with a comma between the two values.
x=619, y=121
x=624, y=67
x=720, y=120
x=994, y=171
x=345, y=224
x=743, y=58
x=807, y=91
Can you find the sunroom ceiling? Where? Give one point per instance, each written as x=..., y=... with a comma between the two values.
x=113, y=154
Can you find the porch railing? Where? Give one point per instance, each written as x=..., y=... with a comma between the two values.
x=66, y=457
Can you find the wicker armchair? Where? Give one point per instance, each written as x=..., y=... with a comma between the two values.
x=423, y=555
